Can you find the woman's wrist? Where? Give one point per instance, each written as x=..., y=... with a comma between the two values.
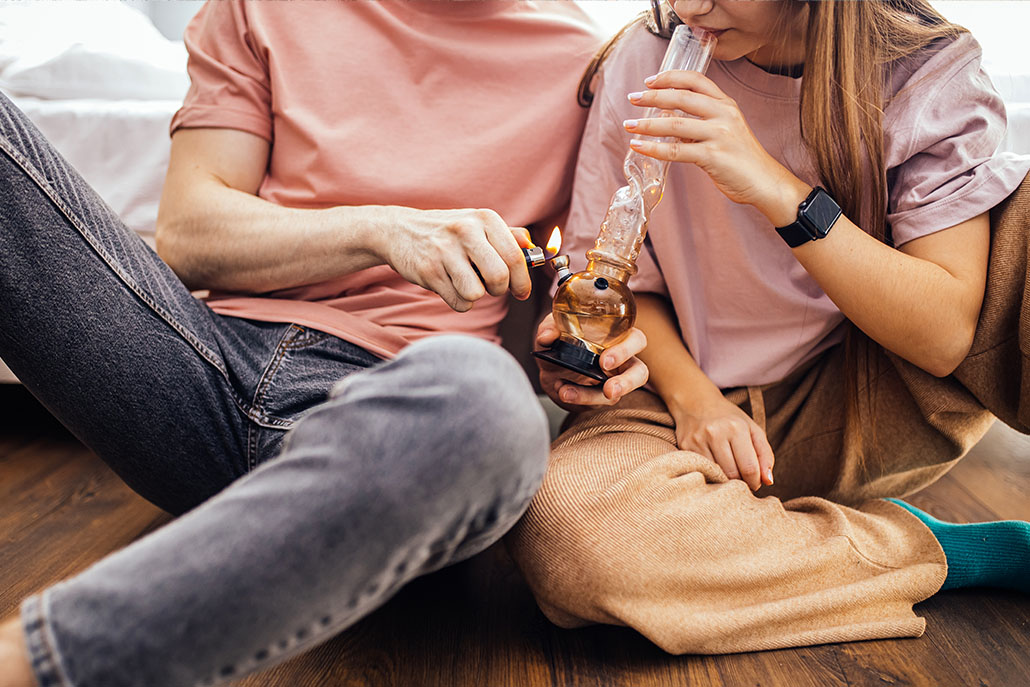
x=786, y=194
x=689, y=399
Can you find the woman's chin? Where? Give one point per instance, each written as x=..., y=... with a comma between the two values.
x=728, y=53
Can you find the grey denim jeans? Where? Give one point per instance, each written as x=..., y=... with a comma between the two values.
x=307, y=501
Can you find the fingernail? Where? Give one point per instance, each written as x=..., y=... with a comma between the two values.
x=616, y=391
x=635, y=96
x=650, y=80
x=569, y=395
x=768, y=475
x=608, y=362
x=637, y=143
x=630, y=124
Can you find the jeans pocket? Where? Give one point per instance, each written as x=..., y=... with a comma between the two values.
x=299, y=376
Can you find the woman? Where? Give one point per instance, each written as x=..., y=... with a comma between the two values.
x=820, y=252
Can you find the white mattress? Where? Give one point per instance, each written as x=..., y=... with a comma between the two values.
x=119, y=146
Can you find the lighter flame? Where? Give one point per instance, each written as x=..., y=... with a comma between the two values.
x=554, y=243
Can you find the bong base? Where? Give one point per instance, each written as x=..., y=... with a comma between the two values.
x=576, y=358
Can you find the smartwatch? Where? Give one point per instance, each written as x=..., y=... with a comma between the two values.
x=816, y=216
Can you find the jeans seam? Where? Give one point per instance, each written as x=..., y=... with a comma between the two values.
x=45, y=659
x=251, y=446
x=332, y=621
x=311, y=338
x=258, y=413
x=44, y=185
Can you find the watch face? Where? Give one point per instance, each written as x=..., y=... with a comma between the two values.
x=821, y=214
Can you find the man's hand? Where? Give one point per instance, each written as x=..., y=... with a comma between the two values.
x=216, y=233
x=576, y=392
x=437, y=250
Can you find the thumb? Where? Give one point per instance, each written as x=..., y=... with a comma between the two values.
x=522, y=237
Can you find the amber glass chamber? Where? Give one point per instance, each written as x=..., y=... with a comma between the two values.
x=595, y=309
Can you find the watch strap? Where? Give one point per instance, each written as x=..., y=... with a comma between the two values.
x=817, y=214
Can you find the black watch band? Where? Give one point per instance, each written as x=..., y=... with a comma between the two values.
x=816, y=216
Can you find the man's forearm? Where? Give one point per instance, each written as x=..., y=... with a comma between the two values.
x=231, y=240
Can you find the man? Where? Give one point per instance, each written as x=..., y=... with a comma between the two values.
x=327, y=176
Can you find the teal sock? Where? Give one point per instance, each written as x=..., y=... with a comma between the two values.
x=982, y=554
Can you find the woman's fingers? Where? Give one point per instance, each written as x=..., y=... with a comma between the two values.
x=691, y=102
x=619, y=354
x=763, y=449
x=685, y=79
x=546, y=332
x=674, y=151
x=747, y=460
x=723, y=455
x=632, y=375
x=676, y=127
x=579, y=395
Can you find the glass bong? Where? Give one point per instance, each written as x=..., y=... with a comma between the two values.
x=595, y=309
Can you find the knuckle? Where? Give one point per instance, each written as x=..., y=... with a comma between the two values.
x=472, y=292
x=433, y=274
x=462, y=228
x=486, y=217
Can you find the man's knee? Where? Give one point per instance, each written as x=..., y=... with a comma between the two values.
x=486, y=403
x=454, y=406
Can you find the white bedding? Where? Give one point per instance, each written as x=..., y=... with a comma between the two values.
x=119, y=146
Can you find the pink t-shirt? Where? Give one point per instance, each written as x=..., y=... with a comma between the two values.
x=424, y=104
x=748, y=311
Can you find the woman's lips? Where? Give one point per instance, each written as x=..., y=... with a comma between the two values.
x=714, y=32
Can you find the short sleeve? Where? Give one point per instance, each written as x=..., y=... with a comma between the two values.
x=229, y=83
x=942, y=133
x=598, y=175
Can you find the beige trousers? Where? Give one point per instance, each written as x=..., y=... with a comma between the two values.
x=629, y=530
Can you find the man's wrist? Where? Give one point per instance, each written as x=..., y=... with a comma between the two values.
x=364, y=228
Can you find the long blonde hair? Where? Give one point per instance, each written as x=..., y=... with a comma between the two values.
x=847, y=68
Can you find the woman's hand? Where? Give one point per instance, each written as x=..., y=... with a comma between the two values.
x=720, y=430
x=714, y=135
x=576, y=392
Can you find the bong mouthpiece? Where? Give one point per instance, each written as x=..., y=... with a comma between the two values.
x=561, y=266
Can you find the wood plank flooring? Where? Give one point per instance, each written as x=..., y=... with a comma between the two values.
x=475, y=624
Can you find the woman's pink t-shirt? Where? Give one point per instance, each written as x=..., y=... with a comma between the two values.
x=423, y=104
x=747, y=310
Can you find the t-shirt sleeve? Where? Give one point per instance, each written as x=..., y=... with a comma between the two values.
x=598, y=175
x=229, y=84
x=943, y=132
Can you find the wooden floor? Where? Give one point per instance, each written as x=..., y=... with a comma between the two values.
x=475, y=624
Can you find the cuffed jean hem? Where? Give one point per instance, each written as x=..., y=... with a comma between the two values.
x=46, y=663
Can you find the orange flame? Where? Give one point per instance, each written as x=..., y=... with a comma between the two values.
x=554, y=243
